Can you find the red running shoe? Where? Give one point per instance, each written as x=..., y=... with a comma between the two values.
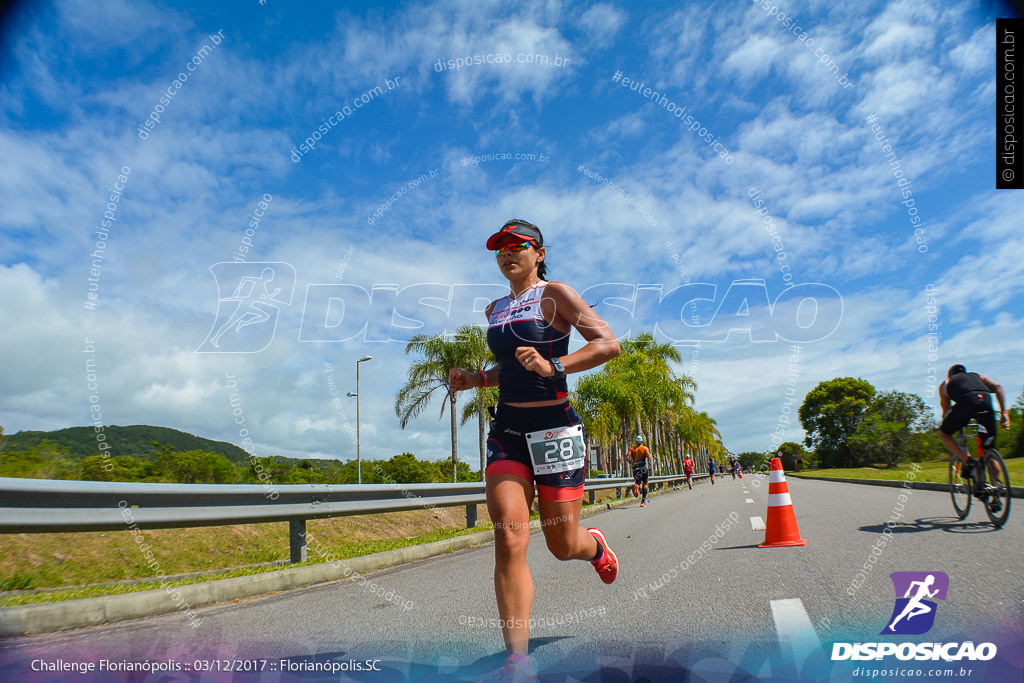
x=608, y=566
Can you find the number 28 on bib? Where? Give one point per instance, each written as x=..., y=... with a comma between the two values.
x=560, y=449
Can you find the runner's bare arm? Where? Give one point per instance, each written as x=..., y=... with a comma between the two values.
x=563, y=307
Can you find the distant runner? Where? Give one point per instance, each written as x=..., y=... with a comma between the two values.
x=711, y=471
x=688, y=471
x=639, y=455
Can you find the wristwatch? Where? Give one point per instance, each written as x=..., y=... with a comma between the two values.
x=559, y=368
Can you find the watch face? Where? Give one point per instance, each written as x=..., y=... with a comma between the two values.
x=559, y=369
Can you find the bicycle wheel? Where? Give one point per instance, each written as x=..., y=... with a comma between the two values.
x=959, y=489
x=997, y=506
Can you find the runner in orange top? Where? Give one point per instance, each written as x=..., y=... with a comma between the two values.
x=639, y=456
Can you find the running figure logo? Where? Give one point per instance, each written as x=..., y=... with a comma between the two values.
x=250, y=296
x=913, y=614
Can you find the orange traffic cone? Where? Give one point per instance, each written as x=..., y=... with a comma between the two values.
x=780, y=529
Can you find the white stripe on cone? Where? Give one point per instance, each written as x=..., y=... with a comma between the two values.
x=779, y=499
x=776, y=476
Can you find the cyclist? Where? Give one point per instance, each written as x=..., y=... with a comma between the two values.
x=688, y=471
x=528, y=332
x=971, y=397
x=711, y=471
x=639, y=455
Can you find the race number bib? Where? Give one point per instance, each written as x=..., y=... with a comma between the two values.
x=560, y=449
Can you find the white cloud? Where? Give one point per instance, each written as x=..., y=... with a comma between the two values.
x=754, y=58
x=601, y=23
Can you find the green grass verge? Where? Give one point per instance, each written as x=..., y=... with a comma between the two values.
x=45, y=568
x=932, y=470
x=339, y=552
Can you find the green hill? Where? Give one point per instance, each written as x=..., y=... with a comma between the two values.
x=135, y=441
x=72, y=454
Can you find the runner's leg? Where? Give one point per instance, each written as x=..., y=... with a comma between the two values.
x=566, y=539
x=508, y=502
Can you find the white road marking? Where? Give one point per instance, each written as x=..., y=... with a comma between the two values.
x=757, y=524
x=750, y=501
x=797, y=638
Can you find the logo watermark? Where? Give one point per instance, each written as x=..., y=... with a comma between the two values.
x=914, y=614
x=931, y=307
x=773, y=232
x=626, y=197
x=252, y=294
x=693, y=558
x=411, y=185
x=912, y=609
x=313, y=544
x=96, y=412
x=311, y=141
x=247, y=445
x=459, y=63
x=504, y=156
x=533, y=622
x=154, y=564
x=903, y=185
x=693, y=125
x=894, y=519
x=102, y=235
x=250, y=299
x=254, y=224
x=793, y=26
x=166, y=95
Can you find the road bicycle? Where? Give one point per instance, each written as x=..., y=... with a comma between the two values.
x=986, y=475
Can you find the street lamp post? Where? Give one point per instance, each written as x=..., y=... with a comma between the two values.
x=359, y=459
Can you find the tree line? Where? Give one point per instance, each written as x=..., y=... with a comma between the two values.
x=849, y=423
x=166, y=464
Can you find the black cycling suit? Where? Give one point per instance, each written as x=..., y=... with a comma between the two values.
x=971, y=399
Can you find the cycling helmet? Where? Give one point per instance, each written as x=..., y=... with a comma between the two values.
x=639, y=439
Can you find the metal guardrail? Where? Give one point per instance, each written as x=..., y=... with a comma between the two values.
x=49, y=506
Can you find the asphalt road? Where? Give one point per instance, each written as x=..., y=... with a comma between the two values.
x=675, y=605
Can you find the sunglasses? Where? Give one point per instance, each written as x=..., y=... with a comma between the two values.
x=512, y=248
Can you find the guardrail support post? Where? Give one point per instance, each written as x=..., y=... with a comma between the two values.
x=593, y=498
x=618, y=494
x=470, y=516
x=297, y=540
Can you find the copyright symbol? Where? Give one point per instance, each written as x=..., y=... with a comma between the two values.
x=1007, y=174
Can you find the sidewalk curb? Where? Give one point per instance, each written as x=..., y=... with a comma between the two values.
x=23, y=620
x=1015, y=491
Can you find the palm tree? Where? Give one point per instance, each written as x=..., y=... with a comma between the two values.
x=701, y=433
x=644, y=367
x=604, y=404
x=473, y=341
x=638, y=390
x=426, y=376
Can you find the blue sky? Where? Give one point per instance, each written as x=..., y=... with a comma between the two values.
x=398, y=194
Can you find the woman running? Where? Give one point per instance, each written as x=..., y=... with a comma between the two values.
x=536, y=436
